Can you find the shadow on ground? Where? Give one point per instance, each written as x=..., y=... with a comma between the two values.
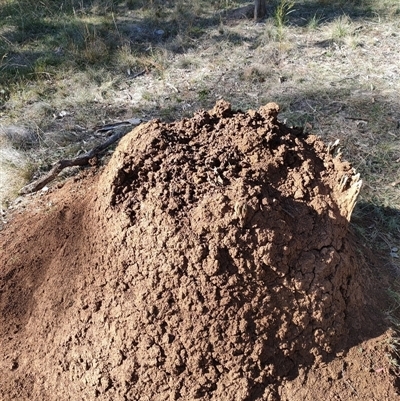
x=89, y=34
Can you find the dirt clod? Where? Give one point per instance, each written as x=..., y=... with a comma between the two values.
x=209, y=260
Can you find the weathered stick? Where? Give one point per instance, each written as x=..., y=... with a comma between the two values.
x=81, y=160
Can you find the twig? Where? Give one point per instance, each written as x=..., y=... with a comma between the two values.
x=112, y=126
x=356, y=118
x=138, y=74
x=351, y=386
x=81, y=160
x=349, y=77
x=172, y=87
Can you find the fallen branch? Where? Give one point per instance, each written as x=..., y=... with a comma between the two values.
x=81, y=160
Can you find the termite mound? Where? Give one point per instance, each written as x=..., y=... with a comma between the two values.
x=238, y=229
x=210, y=259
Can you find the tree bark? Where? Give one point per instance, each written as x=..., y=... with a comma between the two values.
x=260, y=9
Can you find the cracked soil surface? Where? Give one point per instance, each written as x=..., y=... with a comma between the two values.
x=210, y=259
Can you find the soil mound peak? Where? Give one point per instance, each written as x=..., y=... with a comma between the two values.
x=209, y=260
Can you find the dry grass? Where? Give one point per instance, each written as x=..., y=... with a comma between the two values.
x=14, y=172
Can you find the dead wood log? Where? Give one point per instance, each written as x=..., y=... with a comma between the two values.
x=121, y=129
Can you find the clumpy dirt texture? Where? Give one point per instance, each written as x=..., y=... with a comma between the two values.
x=210, y=259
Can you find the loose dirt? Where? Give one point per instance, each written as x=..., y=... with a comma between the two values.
x=210, y=259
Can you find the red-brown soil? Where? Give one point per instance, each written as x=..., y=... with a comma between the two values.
x=210, y=259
